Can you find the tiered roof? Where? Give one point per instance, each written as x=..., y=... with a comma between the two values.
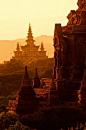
x=26, y=99
x=29, y=36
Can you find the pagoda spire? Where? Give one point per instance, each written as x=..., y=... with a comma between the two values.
x=36, y=80
x=18, y=47
x=26, y=80
x=30, y=28
x=29, y=39
x=42, y=47
x=36, y=73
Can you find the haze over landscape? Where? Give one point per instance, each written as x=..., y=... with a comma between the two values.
x=42, y=65
x=16, y=15
x=8, y=46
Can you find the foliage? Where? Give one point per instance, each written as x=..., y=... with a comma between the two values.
x=18, y=126
x=4, y=101
x=12, y=66
x=54, y=118
x=10, y=84
x=6, y=119
x=11, y=74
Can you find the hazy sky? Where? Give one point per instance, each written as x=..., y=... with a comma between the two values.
x=15, y=16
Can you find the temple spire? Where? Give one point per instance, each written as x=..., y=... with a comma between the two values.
x=42, y=47
x=26, y=80
x=30, y=28
x=36, y=73
x=29, y=39
x=36, y=80
x=18, y=48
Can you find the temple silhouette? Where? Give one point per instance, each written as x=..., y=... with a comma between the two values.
x=70, y=56
x=30, y=51
x=68, y=86
x=26, y=102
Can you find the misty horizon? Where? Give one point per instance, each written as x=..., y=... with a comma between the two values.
x=9, y=46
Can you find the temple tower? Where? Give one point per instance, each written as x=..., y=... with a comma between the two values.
x=42, y=47
x=36, y=80
x=18, y=47
x=29, y=39
x=81, y=5
x=30, y=51
x=42, y=51
x=18, y=53
x=26, y=100
x=69, y=53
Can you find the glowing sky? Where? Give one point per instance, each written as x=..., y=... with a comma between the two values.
x=15, y=16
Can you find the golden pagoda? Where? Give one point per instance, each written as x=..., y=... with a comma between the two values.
x=30, y=51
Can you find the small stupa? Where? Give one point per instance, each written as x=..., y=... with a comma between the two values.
x=26, y=100
x=36, y=80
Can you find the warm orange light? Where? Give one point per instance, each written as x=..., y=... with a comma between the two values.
x=42, y=14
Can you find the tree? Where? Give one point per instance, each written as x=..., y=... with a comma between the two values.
x=54, y=118
x=6, y=119
x=18, y=126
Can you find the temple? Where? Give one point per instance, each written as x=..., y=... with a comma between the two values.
x=36, y=80
x=29, y=51
x=69, y=55
x=68, y=85
x=26, y=101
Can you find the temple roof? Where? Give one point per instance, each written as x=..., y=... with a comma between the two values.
x=29, y=39
x=29, y=47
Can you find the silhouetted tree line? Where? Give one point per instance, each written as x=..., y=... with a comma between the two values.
x=55, y=118
x=52, y=118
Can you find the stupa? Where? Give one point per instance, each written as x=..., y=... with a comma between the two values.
x=36, y=80
x=26, y=101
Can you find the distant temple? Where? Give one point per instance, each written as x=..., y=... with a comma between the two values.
x=68, y=86
x=70, y=56
x=29, y=51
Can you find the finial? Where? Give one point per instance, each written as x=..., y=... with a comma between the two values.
x=29, y=27
x=18, y=48
x=29, y=24
x=42, y=47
